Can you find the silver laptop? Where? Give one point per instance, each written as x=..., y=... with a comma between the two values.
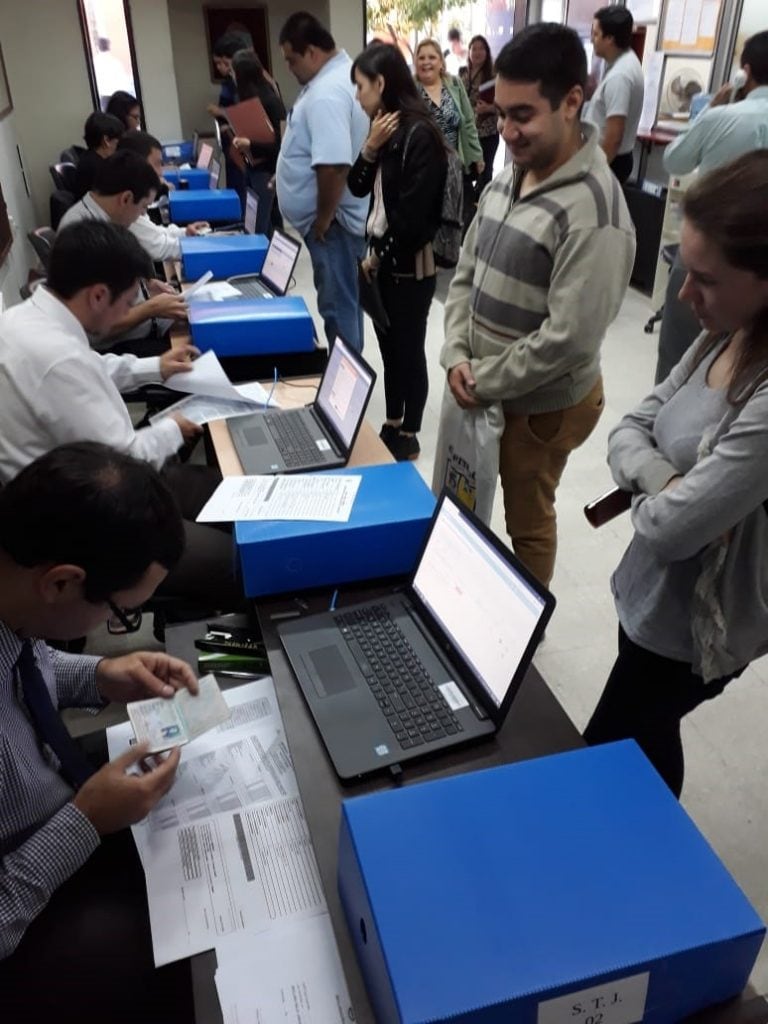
x=214, y=173
x=317, y=436
x=247, y=226
x=431, y=668
x=204, y=157
x=274, y=278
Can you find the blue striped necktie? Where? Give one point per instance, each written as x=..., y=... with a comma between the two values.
x=50, y=728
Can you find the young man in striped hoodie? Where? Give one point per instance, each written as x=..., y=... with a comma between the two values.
x=542, y=274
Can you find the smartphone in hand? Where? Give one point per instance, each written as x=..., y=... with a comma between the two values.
x=607, y=506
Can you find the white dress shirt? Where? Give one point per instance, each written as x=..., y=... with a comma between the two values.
x=161, y=243
x=55, y=389
x=720, y=134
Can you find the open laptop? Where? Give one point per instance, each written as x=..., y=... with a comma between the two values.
x=276, y=272
x=246, y=226
x=317, y=436
x=204, y=157
x=433, y=667
x=214, y=173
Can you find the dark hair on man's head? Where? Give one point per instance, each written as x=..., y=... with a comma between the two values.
x=454, y=35
x=141, y=143
x=249, y=73
x=86, y=504
x=100, y=126
x=120, y=104
x=96, y=252
x=125, y=171
x=549, y=54
x=228, y=44
x=303, y=30
x=755, y=53
x=616, y=22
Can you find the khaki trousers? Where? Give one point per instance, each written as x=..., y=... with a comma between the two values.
x=534, y=451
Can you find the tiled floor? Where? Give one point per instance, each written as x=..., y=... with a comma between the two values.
x=726, y=756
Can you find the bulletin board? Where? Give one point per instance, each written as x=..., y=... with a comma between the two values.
x=690, y=26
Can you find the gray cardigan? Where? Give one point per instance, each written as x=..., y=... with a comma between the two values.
x=707, y=538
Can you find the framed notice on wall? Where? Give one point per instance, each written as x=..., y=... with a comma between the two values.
x=690, y=26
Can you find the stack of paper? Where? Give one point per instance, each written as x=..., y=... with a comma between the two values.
x=322, y=498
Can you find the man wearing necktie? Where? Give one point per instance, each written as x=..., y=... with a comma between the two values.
x=86, y=533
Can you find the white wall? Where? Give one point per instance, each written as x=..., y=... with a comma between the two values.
x=154, y=56
x=13, y=272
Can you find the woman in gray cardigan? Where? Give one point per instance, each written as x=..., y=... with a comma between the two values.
x=691, y=591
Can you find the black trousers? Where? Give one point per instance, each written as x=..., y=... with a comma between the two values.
x=622, y=166
x=87, y=957
x=406, y=384
x=645, y=699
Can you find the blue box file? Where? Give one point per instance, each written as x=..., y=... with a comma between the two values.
x=195, y=179
x=569, y=888
x=250, y=327
x=215, y=205
x=225, y=255
x=383, y=537
x=182, y=152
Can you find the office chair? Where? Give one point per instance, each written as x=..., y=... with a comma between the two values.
x=64, y=176
x=71, y=155
x=41, y=240
x=60, y=202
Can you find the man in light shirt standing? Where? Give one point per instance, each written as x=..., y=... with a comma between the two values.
x=618, y=100
x=325, y=133
x=735, y=122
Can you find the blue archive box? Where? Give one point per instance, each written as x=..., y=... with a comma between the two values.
x=181, y=152
x=195, y=179
x=569, y=888
x=225, y=255
x=385, y=533
x=218, y=204
x=250, y=327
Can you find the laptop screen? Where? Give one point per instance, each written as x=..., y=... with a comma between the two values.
x=204, y=156
x=213, y=177
x=344, y=391
x=251, y=212
x=279, y=262
x=488, y=610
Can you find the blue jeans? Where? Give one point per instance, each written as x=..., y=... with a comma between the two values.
x=259, y=182
x=334, y=263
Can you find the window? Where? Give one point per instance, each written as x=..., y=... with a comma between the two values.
x=109, y=50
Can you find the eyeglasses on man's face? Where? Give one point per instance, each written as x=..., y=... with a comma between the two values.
x=122, y=620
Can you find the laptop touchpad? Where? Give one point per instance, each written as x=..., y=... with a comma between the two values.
x=254, y=435
x=330, y=675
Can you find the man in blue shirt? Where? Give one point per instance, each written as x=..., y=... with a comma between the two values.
x=722, y=132
x=326, y=131
x=224, y=49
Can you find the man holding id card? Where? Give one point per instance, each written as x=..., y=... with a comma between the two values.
x=86, y=535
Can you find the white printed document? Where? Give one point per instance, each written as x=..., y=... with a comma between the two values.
x=167, y=722
x=291, y=974
x=207, y=377
x=299, y=497
x=202, y=409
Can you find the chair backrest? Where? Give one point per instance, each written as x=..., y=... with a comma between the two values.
x=72, y=155
x=64, y=176
x=60, y=202
x=41, y=240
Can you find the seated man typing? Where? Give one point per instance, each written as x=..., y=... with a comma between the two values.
x=85, y=532
x=56, y=389
x=124, y=187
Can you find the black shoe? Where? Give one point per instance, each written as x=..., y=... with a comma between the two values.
x=389, y=434
x=405, y=447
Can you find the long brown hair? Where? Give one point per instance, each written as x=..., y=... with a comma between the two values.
x=486, y=68
x=729, y=206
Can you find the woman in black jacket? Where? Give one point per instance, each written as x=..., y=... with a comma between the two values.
x=261, y=157
x=402, y=166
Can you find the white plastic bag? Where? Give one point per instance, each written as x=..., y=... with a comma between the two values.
x=467, y=454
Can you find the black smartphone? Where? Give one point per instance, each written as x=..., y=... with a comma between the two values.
x=607, y=506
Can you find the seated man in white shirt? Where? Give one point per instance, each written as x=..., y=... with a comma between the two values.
x=162, y=243
x=57, y=389
x=84, y=533
x=124, y=186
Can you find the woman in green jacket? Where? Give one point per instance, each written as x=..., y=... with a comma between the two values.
x=449, y=105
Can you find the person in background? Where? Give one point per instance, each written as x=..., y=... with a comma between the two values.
x=251, y=82
x=85, y=532
x=125, y=107
x=400, y=168
x=524, y=321
x=617, y=103
x=449, y=105
x=102, y=133
x=324, y=136
x=478, y=71
x=456, y=54
x=224, y=49
x=161, y=243
x=691, y=591
x=735, y=122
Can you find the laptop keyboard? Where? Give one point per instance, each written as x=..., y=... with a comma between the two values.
x=294, y=441
x=253, y=290
x=409, y=698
